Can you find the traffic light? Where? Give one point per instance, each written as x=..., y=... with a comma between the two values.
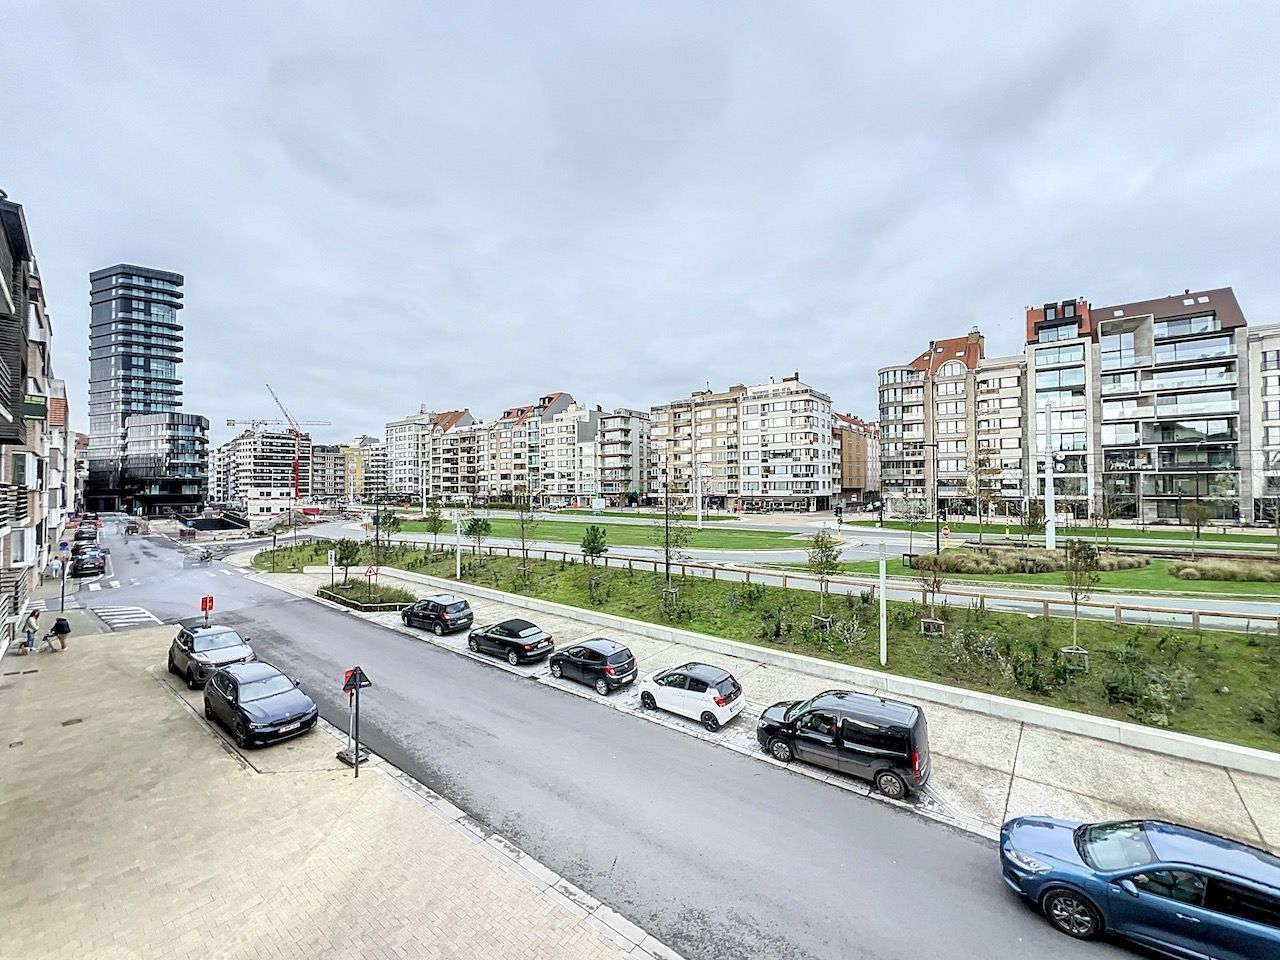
x=839, y=510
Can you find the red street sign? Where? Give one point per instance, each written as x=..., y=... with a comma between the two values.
x=206, y=604
x=369, y=571
x=353, y=678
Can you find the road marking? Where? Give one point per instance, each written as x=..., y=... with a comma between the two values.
x=117, y=617
x=95, y=586
x=229, y=573
x=115, y=583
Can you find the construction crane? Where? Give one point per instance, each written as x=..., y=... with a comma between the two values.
x=295, y=427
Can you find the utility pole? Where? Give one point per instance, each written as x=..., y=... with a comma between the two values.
x=457, y=543
x=666, y=527
x=1050, y=507
x=697, y=486
x=937, y=502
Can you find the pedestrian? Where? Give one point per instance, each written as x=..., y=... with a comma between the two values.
x=61, y=630
x=29, y=627
x=55, y=568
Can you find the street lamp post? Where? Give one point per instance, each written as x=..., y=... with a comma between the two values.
x=937, y=501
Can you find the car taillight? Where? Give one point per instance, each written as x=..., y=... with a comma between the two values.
x=529, y=646
x=444, y=616
x=608, y=668
x=721, y=701
x=915, y=764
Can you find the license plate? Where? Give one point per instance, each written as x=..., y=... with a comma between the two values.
x=291, y=726
x=627, y=679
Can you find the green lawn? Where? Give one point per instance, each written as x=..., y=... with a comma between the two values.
x=635, y=535
x=1208, y=536
x=651, y=516
x=1164, y=677
x=1142, y=579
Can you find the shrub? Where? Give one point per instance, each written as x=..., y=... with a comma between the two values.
x=1239, y=571
x=1027, y=560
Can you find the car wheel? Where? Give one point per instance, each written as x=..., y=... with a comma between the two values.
x=512, y=658
x=557, y=671
x=602, y=687
x=781, y=750
x=208, y=710
x=1072, y=913
x=405, y=620
x=173, y=667
x=647, y=701
x=709, y=721
x=191, y=679
x=241, y=735
x=891, y=785
x=439, y=630
x=473, y=644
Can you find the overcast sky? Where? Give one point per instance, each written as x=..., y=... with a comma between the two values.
x=386, y=204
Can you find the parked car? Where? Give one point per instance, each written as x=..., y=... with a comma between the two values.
x=604, y=664
x=196, y=653
x=695, y=690
x=1170, y=888
x=258, y=704
x=884, y=741
x=88, y=564
x=441, y=614
x=519, y=641
x=131, y=527
x=86, y=532
x=81, y=547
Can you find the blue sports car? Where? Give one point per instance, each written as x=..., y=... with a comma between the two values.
x=1176, y=890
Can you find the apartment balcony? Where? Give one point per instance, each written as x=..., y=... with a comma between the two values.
x=1134, y=411
x=1197, y=408
x=1125, y=361
x=1192, y=380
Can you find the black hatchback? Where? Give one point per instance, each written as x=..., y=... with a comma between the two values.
x=869, y=737
x=519, y=641
x=604, y=664
x=440, y=614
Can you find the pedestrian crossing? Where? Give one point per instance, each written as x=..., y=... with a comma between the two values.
x=118, y=618
x=53, y=603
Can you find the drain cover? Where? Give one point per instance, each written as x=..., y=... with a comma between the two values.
x=68, y=723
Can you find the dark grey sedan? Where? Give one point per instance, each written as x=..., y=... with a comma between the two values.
x=197, y=652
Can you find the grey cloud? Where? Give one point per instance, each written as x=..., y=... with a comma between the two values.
x=381, y=206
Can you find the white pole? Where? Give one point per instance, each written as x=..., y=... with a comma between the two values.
x=697, y=486
x=457, y=544
x=1050, y=508
x=884, y=611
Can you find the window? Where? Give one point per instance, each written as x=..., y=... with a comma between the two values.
x=1180, y=885
x=1271, y=359
x=1065, y=377
x=952, y=368
x=816, y=722
x=1050, y=311
x=1181, y=351
x=875, y=737
x=696, y=685
x=1186, y=326
x=1062, y=331
x=1236, y=900
x=1047, y=356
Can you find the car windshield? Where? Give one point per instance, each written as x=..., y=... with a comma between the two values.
x=1114, y=846
x=266, y=687
x=800, y=708
x=203, y=643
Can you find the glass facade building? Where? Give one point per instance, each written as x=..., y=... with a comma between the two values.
x=144, y=453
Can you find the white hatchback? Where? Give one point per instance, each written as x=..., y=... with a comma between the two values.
x=699, y=691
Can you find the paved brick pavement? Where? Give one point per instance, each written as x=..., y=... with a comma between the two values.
x=129, y=829
x=986, y=769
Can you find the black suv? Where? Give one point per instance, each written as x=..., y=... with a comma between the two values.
x=519, y=641
x=605, y=664
x=89, y=532
x=884, y=741
x=440, y=614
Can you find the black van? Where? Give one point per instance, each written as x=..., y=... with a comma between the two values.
x=884, y=741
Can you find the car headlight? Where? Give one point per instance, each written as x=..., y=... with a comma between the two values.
x=1026, y=863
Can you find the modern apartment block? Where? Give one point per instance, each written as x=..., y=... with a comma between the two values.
x=37, y=475
x=623, y=456
x=411, y=443
x=855, y=459
x=765, y=447
x=135, y=347
x=254, y=472
x=1141, y=408
x=328, y=472
x=567, y=443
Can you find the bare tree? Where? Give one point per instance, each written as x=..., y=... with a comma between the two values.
x=475, y=530
x=913, y=512
x=434, y=521
x=932, y=576
x=980, y=483
x=1081, y=571
x=526, y=527
x=1033, y=520
x=824, y=563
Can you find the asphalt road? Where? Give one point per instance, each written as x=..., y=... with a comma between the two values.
x=717, y=854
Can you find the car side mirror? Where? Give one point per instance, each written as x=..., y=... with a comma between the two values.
x=1129, y=887
x=297, y=682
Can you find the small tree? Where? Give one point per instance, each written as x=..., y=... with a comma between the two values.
x=475, y=530
x=1081, y=572
x=347, y=553
x=980, y=483
x=390, y=523
x=824, y=563
x=913, y=512
x=526, y=527
x=932, y=578
x=593, y=543
x=1032, y=523
x=671, y=535
x=1197, y=514
x=434, y=521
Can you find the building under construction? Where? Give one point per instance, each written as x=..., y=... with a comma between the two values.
x=255, y=472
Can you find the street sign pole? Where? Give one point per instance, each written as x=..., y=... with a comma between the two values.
x=355, y=679
x=457, y=545
x=355, y=723
x=884, y=612
x=62, y=608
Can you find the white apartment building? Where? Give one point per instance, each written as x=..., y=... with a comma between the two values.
x=623, y=456
x=406, y=444
x=567, y=454
x=255, y=472
x=1263, y=460
x=765, y=447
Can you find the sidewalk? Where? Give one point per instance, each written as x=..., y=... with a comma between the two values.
x=985, y=769
x=129, y=830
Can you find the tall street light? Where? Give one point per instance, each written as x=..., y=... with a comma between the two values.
x=937, y=501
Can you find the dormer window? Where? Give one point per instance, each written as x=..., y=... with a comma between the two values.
x=1050, y=311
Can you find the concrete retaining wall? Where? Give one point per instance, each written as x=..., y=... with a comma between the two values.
x=1154, y=739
